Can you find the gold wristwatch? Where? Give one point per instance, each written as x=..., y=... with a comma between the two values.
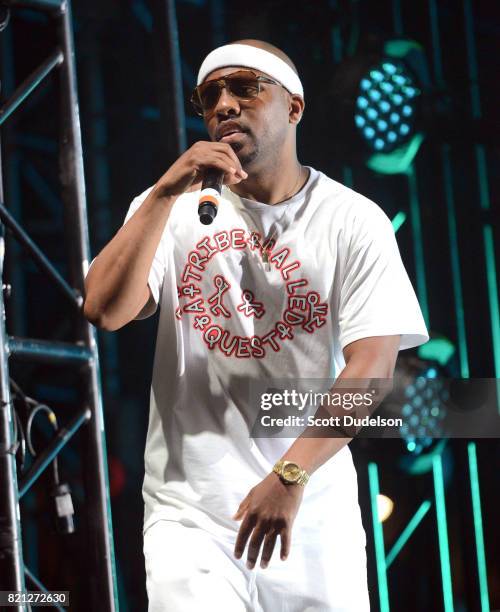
x=291, y=473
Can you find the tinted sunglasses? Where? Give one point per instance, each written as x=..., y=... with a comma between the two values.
x=243, y=84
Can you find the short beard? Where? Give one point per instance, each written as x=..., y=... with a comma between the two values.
x=246, y=158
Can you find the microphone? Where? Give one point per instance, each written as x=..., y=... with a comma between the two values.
x=211, y=188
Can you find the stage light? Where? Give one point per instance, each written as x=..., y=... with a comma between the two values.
x=389, y=86
x=375, y=105
x=421, y=396
x=424, y=411
x=385, y=506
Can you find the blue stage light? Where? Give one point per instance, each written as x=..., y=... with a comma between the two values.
x=423, y=411
x=377, y=76
x=389, y=67
x=391, y=87
x=362, y=102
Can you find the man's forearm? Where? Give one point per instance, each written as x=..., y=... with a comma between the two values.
x=310, y=450
x=117, y=280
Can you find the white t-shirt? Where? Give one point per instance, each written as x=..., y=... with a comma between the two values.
x=335, y=276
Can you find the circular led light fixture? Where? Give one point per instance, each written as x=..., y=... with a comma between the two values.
x=423, y=411
x=377, y=105
x=386, y=106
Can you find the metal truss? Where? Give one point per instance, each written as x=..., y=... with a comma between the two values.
x=82, y=354
x=385, y=560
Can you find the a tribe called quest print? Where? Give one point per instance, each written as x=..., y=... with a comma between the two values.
x=304, y=309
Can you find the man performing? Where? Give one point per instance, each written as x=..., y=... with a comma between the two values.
x=297, y=277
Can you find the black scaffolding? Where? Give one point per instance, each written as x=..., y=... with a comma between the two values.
x=81, y=354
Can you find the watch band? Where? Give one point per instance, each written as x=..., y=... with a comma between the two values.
x=278, y=468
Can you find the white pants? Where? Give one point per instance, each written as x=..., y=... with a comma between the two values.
x=189, y=570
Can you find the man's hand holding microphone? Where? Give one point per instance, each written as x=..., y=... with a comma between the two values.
x=188, y=172
x=117, y=283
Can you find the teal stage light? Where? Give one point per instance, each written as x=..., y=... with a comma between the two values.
x=376, y=105
x=424, y=411
x=387, y=94
x=421, y=397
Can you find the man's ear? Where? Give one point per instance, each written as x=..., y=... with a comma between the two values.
x=296, y=108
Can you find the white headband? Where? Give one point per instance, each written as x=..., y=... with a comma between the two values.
x=251, y=57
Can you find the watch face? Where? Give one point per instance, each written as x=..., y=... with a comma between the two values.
x=291, y=472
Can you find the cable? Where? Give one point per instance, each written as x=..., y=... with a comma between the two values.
x=53, y=421
x=4, y=18
x=60, y=493
x=26, y=437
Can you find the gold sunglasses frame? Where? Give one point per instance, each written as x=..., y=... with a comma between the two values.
x=195, y=98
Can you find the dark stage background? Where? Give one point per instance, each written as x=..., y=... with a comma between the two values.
x=125, y=101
